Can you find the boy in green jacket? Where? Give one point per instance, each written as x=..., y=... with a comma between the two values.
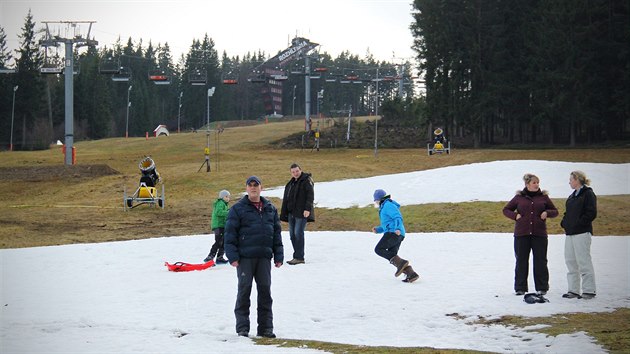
x=219, y=214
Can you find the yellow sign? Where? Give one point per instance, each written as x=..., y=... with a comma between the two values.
x=206, y=151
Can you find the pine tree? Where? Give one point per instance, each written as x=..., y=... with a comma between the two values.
x=6, y=92
x=29, y=104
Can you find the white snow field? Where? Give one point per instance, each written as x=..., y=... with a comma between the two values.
x=487, y=181
x=118, y=297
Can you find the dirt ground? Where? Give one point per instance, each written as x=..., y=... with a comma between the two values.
x=41, y=207
x=46, y=173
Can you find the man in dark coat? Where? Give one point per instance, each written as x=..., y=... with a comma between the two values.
x=252, y=238
x=297, y=209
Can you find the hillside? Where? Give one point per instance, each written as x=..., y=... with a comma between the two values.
x=334, y=134
x=52, y=204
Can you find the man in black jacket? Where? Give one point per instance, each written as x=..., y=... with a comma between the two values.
x=252, y=238
x=297, y=209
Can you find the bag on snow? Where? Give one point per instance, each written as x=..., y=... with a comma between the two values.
x=533, y=298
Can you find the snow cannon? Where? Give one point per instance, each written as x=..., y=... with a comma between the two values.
x=440, y=144
x=146, y=193
x=150, y=175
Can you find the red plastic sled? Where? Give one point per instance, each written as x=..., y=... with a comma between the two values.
x=187, y=267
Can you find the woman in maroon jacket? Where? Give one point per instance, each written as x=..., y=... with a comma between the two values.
x=530, y=208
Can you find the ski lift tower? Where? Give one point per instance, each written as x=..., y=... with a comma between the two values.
x=70, y=38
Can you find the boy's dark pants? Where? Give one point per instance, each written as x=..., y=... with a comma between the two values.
x=217, y=247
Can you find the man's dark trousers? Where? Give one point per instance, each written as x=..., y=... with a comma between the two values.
x=297, y=225
x=258, y=269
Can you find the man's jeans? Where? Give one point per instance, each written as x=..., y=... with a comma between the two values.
x=297, y=225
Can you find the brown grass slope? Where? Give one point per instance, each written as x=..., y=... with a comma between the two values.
x=52, y=204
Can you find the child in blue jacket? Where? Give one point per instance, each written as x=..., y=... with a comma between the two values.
x=394, y=233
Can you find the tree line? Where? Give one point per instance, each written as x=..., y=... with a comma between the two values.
x=541, y=71
x=100, y=103
x=553, y=72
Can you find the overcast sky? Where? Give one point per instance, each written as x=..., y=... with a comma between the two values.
x=237, y=26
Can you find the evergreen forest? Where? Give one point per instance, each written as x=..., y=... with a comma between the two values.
x=493, y=72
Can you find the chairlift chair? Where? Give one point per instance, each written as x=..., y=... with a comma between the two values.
x=198, y=78
x=5, y=70
x=229, y=79
x=123, y=75
x=334, y=77
x=348, y=79
x=109, y=66
x=229, y=74
x=51, y=66
x=363, y=78
x=297, y=69
x=51, y=69
x=280, y=77
x=159, y=77
x=257, y=79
